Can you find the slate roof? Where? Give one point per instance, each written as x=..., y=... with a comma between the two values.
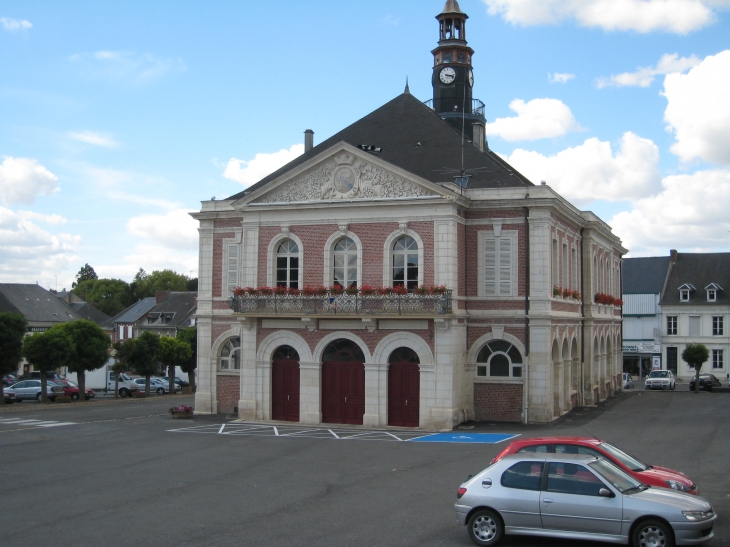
x=178, y=304
x=133, y=312
x=35, y=303
x=644, y=275
x=397, y=127
x=698, y=269
x=88, y=311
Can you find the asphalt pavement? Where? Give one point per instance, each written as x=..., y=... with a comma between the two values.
x=125, y=473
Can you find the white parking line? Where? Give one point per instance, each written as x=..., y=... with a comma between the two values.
x=57, y=424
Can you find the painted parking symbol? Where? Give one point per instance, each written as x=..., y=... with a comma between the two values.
x=481, y=438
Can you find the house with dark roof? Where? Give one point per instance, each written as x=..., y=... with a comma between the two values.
x=85, y=309
x=695, y=308
x=172, y=312
x=643, y=280
x=124, y=325
x=402, y=273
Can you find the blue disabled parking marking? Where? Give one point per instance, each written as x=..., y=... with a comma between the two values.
x=483, y=438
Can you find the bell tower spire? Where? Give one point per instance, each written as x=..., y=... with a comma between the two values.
x=453, y=74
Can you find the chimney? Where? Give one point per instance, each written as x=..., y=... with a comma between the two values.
x=673, y=256
x=478, y=131
x=308, y=140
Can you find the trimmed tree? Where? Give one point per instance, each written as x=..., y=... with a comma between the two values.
x=91, y=349
x=696, y=355
x=13, y=327
x=190, y=335
x=142, y=356
x=48, y=351
x=173, y=352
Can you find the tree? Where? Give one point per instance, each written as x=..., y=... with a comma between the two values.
x=173, y=352
x=190, y=335
x=146, y=285
x=695, y=355
x=110, y=296
x=86, y=273
x=12, y=330
x=48, y=351
x=193, y=284
x=142, y=355
x=91, y=349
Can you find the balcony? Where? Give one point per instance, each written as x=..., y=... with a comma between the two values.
x=455, y=104
x=342, y=304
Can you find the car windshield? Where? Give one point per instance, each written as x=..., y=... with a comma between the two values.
x=613, y=475
x=629, y=461
x=659, y=374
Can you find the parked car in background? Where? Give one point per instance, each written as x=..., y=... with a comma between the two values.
x=27, y=390
x=165, y=380
x=36, y=375
x=652, y=475
x=628, y=381
x=660, y=379
x=156, y=385
x=707, y=382
x=575, y=496
x=182, y=383
x=9, y=396
x=71, y=389
x=9, y=379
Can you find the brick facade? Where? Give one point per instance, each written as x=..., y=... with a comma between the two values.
x=497, y=402
x=228, y=389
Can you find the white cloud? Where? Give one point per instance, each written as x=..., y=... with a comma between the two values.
x=90, y=137
x=15, y=25
x=690, y=213
x=698, y=110
x=677, y=16
x=48, y=219
x=145, y=201
x=537, y=119
x=250, y=172
x=592, y=171
x=560, y=77
x=23, y=179
x=29, y=253
x=173, y=230
x=158, y=257
x=127, y=66
x=643, y=77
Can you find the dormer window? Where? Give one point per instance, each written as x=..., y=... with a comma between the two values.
x=712, y=290
x=685, y=292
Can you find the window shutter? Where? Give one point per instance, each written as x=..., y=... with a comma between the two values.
x=505, y=266
x=232, y=269
x=694, y=325
x=490, y=266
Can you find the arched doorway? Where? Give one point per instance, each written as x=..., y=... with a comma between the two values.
x=404, y=388
x=285, y=384
x=343, y=383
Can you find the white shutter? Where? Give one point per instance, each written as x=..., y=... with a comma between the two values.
x=121, y=332
x=490, y=266
x=129, y=331
x=694, y=325
x=505, y=266
x=232, y=269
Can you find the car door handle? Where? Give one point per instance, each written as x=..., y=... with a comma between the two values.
x=547, y=500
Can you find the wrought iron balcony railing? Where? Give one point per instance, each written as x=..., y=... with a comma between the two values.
x=455, y=104
x=342, y=304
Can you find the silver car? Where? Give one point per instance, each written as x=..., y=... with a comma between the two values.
x=27, y=390
x=660, y=379
x=575, y=496
x=628, y=381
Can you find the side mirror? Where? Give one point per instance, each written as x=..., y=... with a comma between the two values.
x=486, y=483
x=606, y=493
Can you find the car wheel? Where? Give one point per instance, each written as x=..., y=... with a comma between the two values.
x=52, y=399
x=74, y=396
x=123, y=393
x=485, y=528
x=38, y=397
x=87, y=398
x=653, y=533
x=160, y=391
x=647, y=387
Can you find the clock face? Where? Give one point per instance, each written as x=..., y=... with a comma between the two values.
x=471, y=79
x=447, y=75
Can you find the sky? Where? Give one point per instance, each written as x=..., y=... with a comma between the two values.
x=118, y=118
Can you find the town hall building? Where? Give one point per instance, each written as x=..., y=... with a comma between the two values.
x=401, y=273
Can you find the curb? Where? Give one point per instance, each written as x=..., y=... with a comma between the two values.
x=17, y=407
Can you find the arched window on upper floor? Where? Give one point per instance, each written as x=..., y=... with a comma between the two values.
x=345, y=263
x=405, y=262
x=287, y=264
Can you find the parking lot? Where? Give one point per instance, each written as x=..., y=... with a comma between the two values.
x=124, y=472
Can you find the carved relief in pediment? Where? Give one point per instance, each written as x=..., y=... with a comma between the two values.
x=345, y=177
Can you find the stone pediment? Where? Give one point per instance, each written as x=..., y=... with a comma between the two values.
x=344, y=176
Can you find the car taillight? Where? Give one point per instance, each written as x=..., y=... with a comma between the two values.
x=460, y=492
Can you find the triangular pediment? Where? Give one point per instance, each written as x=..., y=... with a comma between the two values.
x=344, y=172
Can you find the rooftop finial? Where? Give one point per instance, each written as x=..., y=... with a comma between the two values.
x=407, y=89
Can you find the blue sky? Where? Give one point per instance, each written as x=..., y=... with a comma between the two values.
x=116, y=118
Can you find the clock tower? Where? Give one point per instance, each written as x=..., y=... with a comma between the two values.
x=453, y=75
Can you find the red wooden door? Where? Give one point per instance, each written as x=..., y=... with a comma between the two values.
x=343, y=383
x=285, y=385
x=404, y=389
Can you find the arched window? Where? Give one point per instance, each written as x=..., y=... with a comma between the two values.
x=345, y=263
x=231, y=355
x=403, y=355
x=287, y=264
x=285, y=353
x=405, y=262
x=499, y=358
x=343, y=350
